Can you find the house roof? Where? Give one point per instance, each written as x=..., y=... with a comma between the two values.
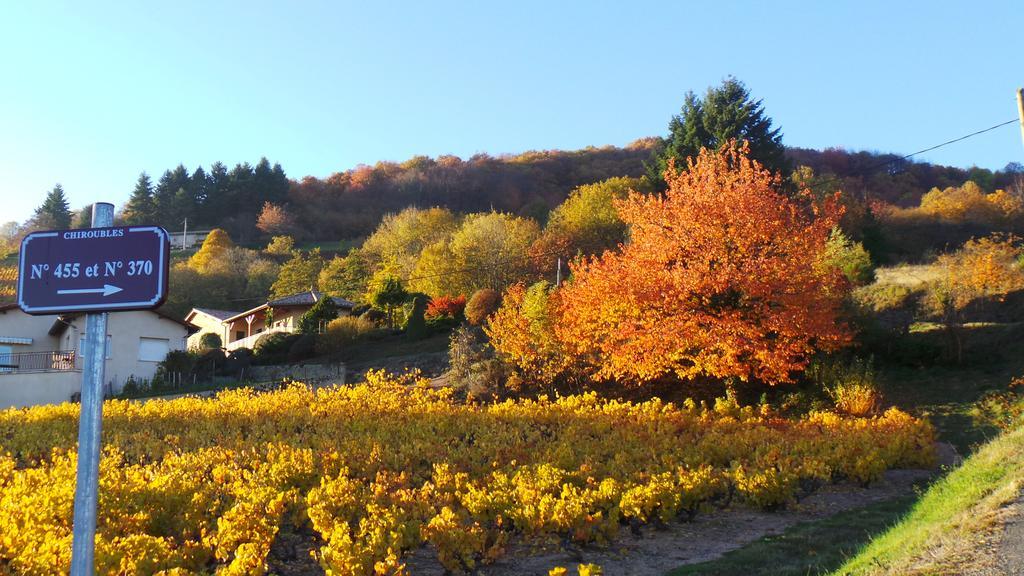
x=307, y=298
x=218, y=314
x=62, y=322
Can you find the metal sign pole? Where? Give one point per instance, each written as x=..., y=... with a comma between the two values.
x=89, y=426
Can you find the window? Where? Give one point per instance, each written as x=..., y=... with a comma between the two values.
x=239, y=335
x=153, y=349
x=81, y=346
x=6, y=359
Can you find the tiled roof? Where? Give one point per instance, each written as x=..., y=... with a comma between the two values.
x=308, y=299
x=218, y=314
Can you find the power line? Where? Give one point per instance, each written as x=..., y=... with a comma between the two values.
x=972, y=134
x=828, y=181
x=874, y=167
x=869, y=169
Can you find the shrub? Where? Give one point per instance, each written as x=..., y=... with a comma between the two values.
x=237, y=360
x=473, y=366
x=210, y=341
x=848, y=257
x=851, y=386
x=446, y=307
x=416, y=327
x=345, y=331
x=377, y=317
x=302, y=348
x=178, y=364
x=281, y=246
x=273, y=348
x=482, y=304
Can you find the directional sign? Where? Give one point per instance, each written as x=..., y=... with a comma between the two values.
x=93, y=270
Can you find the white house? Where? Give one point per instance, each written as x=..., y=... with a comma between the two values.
x=244, y=329
x=41, y=356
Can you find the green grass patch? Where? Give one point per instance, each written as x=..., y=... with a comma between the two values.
x=948, y=516
x=816, y=547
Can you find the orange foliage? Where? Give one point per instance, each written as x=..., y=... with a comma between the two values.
x=983, y=268
x=522, y=332
x=445, y=306
x=719, y=279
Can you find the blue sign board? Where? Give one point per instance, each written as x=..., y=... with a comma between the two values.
x=93, y=270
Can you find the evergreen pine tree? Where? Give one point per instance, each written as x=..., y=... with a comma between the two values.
x=83, y=218
x=163, y=199
x=54, y=212
x=725, y=113
x=140, y=207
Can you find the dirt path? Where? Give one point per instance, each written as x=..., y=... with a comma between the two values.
x=999, y=551
x=1010, y=547
x=653, y=552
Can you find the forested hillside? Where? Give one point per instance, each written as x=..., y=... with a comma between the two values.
x=251, y=200
x=352, y=202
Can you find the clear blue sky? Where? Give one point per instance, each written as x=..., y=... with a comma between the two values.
x=92, y=93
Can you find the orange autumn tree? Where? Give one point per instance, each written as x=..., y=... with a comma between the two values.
x=719, y=279
x=522, y=333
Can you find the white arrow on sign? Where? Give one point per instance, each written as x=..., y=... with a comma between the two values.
x=107, y=290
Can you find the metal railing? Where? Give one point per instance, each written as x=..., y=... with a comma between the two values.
x=55, y=361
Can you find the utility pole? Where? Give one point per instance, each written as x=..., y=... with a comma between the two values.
x=89, y=425
x=1020, y=111
x=184, y=235
x=558, y=273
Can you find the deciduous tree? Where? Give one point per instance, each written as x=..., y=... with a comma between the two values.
x=346, y=277
x=277, y=220
x=214, y=247
x=298, y=274
x=401, y=237
x=281, y=246
x=587, y=223
x=489, y=250
x=720, y=278
x=983, y=269
x=522, y=332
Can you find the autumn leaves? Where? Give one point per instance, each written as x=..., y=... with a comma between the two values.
x=720, y=278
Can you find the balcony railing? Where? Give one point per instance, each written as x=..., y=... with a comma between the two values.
x=55, y=361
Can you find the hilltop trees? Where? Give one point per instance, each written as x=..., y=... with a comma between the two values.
x=400, y=238
x=587, y=223
x=227, y=199
x=276, y=220
x=220, y=275
x=719, y=279
x=727, y=113
x=54, y=212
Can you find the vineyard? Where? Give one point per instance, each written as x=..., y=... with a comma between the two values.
x=8, y=283
x=369, y=473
